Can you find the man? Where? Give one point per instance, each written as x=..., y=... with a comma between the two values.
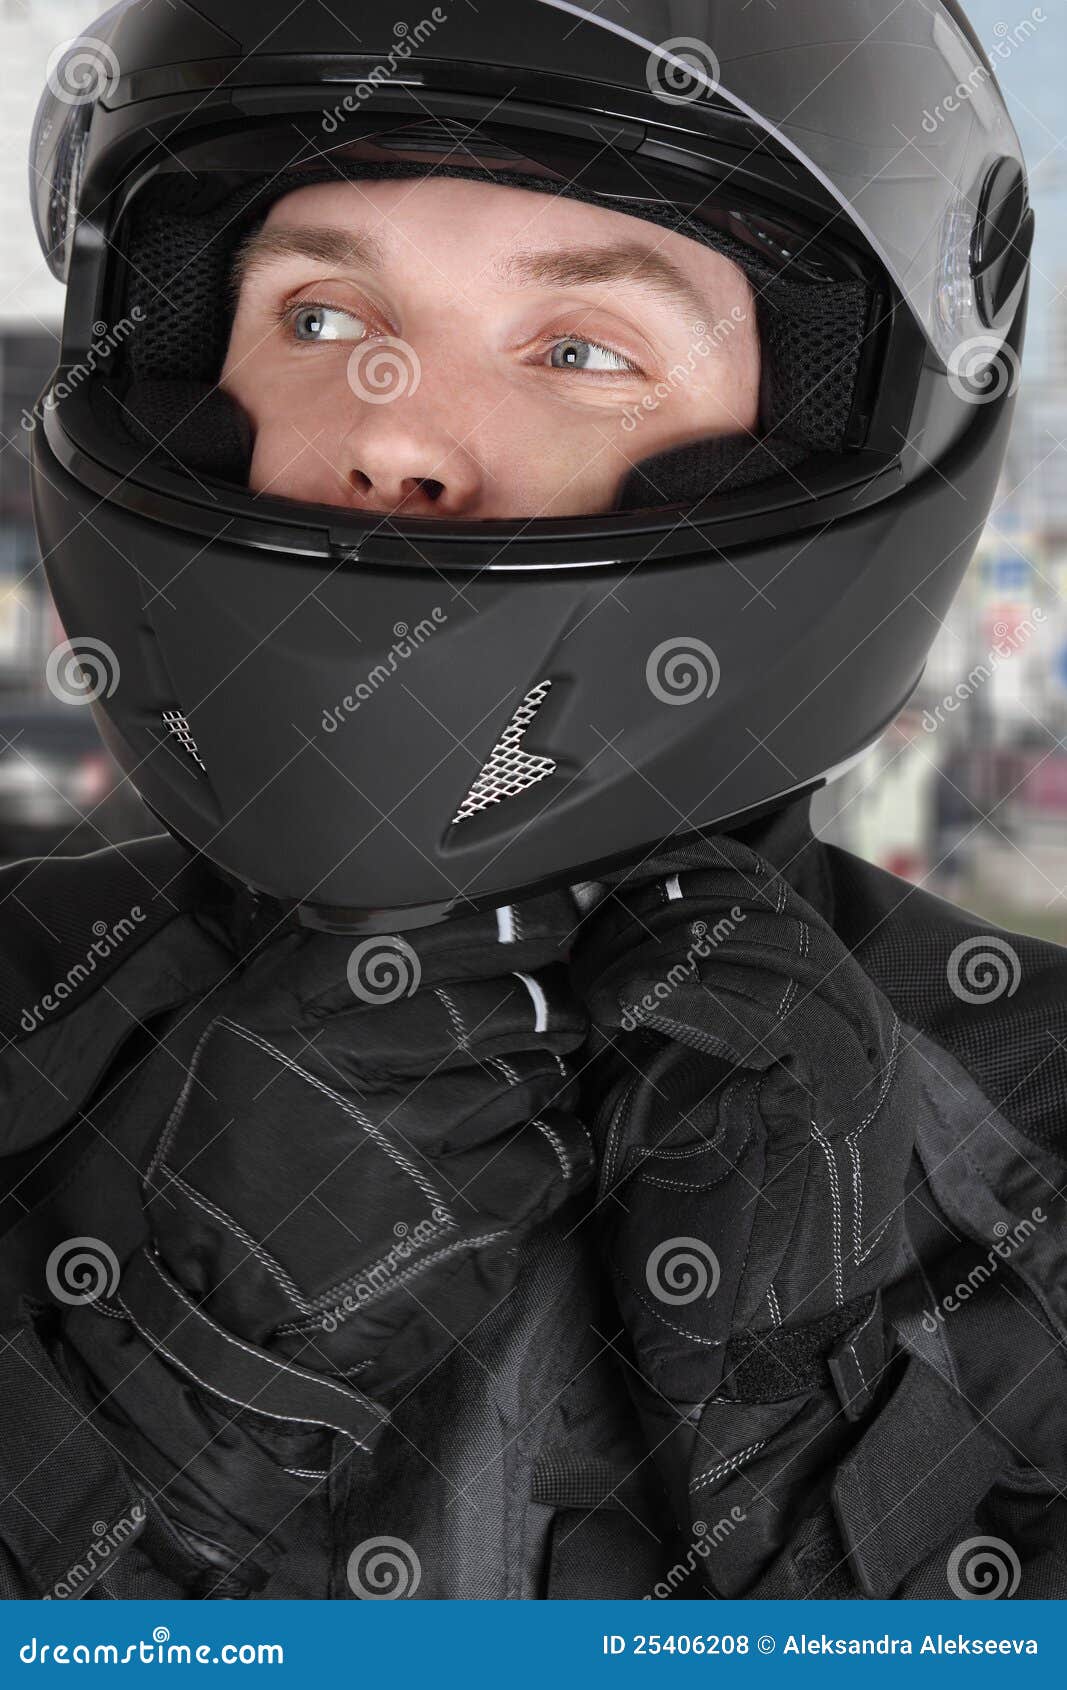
x=498, y=1151
x=512, y=415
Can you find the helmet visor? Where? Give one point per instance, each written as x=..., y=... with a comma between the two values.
x=890, y=106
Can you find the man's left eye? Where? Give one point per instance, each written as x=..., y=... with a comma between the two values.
x=326, y=322
x=574, y=354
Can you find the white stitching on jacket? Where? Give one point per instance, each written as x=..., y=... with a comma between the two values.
x=852, y=1345
x=723, y=1467
x=853, y=1150
x=163, y=1143
x=835, y=1206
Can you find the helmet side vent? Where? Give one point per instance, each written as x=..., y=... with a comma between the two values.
x=177, y=725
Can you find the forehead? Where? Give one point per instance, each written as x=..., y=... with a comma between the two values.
x=491, y=218
x=436, y=195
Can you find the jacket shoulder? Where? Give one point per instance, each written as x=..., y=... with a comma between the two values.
x=996, y=999
x=67, y=922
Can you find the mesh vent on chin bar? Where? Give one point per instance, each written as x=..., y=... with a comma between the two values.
x=509, y=769
x=177, y=725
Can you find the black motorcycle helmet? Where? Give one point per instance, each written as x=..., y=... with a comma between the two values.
x=855, y=157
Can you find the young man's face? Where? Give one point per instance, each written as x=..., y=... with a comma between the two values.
x=440, y=348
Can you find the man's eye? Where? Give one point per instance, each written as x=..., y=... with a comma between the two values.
x=326, y=322
x=576, y=354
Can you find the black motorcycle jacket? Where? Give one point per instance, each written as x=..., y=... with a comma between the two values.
x=700, y=1232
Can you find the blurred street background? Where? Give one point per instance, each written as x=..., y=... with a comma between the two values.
x=966, y=794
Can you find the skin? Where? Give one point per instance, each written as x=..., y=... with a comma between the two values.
x=430, y=367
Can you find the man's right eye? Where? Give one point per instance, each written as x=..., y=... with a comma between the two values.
x=325, y=322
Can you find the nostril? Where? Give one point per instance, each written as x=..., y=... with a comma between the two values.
x=396, y=496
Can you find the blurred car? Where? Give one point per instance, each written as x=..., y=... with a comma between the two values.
x=60, y=792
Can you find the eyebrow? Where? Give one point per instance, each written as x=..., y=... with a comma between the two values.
x=627, y=261
x=325, y=245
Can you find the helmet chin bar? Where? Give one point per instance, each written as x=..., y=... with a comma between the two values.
x=848, y=763
x=324, y=918
x=359, y=922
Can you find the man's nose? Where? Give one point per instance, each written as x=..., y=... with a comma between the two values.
x=400, y=458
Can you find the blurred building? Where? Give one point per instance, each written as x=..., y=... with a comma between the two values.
x=30, y=31
x=967, y=795
x=31, y=302
x=59, y=791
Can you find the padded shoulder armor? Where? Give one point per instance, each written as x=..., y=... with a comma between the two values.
x=66, y=923
x=995, y=999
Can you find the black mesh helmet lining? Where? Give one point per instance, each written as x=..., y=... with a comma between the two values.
x=189, y=423
x=182, y=238
x=707, y=468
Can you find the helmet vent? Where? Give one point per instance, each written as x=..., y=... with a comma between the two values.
x=445, y=134
x=510, y=769
x=176, y=724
